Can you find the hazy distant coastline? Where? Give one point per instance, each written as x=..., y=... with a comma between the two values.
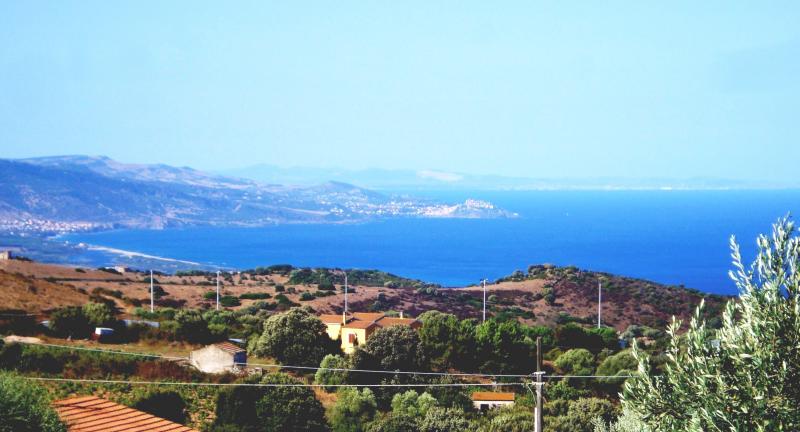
x=431, y=179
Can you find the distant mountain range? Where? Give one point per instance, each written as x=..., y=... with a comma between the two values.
x=384, y=179
x=68, y=193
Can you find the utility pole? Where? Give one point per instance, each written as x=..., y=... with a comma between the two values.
x=345, y=292
x=599, y=301
x=537, y=414
x=217, y=289
x=152, y=294
x=484, y=299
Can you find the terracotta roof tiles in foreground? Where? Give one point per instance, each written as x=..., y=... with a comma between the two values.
x=93, y=414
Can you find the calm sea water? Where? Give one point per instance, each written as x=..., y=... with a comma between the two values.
x=674, y=237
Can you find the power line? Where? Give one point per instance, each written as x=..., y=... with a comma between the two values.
x=395, y=372
x=201, y=384
x=588, y=376
x=377, y=371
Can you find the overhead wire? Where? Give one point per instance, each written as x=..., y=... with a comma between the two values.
x=377, y=371
x=201, y=384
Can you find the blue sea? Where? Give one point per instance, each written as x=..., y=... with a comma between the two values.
x=672, y=237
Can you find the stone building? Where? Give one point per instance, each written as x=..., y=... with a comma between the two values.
x=218, y=358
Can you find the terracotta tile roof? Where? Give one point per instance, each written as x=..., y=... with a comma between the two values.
x=359, y=324
x=332, y=318
x=92, y=414
x=493, y=396
x=367, y=316
x=229, y=347
x=387, y=322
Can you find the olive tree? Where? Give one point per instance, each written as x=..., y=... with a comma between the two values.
x=744, y=376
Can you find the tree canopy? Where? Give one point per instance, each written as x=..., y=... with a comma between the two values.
x=270, y=409
x=353, y=409
x=295, y=337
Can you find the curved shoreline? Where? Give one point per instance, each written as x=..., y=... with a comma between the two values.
x=133, y=254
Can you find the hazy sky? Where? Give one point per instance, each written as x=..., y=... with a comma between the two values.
x=542, y=89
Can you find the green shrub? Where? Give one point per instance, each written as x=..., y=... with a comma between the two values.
x=444, y=420
x=17, y=322
x=99, y=314
x=393, y=423
x=229, y=301
x=24, y=407
x=353, y=409
x=581, y=415
x=576, y=361
x=255, y=296
x=328, y=377
x=165, y=404
x=413, y=404
x=190, y=327
x=71, y=322
x=326, y=285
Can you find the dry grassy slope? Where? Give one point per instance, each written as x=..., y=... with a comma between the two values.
x=625, y=300
x=35, y=295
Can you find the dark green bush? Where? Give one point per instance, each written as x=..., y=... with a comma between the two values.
x=255, y=296
x=70, y=322
x=165, y=404
x=229, y=301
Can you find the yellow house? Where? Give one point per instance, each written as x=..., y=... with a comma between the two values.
x=355, y=329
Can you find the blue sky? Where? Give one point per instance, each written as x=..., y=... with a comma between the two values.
x=540, y=89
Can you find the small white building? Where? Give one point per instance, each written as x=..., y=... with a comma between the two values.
x=488, y=400
x=5, y=255
x=219, y=358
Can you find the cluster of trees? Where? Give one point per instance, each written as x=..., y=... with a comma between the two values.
x=326, y=279
x=496, y=346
